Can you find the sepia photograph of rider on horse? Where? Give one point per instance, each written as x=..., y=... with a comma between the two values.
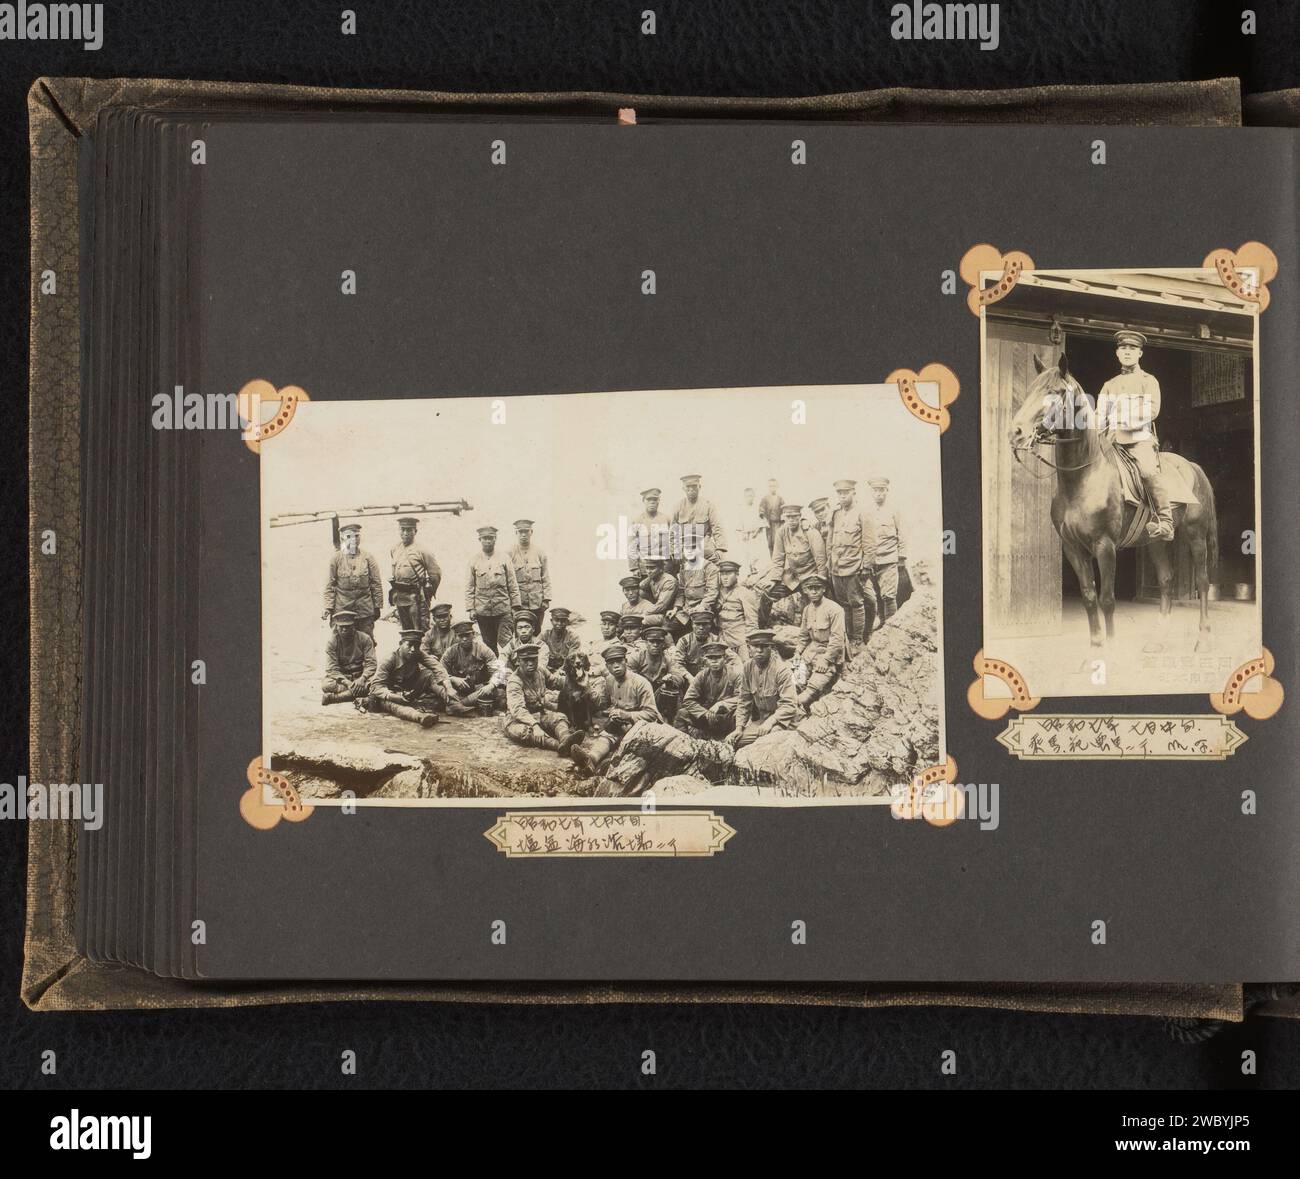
x=1120, y=470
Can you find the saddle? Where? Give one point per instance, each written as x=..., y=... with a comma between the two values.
x=1176, y=485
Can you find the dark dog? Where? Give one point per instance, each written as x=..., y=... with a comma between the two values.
x=575, y=697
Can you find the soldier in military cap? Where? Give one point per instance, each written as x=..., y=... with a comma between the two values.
x=821, y=510
x=628, y=698
x=660, y=592
x=559, y=639
x=690, y=647
x=698, y=579
x=411, y=684
x=851, y=556
x=491, y=591
x=469, y=666
x=416, y=577
x=797, y=551
x=1128, y=405
x=737, y=609
x=532, y=573
x=353, y=582
x=889, y=552
x=649, y=534
x=439, y=637
x=698, y=517
x=708, y=709
x=629, y=632
x=524, y=633
x=608, y=634
x=777, y=606
x=349, y=661
x=633, y=602
x=823, y=643
x=658, y=664
x=529, y=719
x=767, y=700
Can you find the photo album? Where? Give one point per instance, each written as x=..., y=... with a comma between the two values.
x=613, y=547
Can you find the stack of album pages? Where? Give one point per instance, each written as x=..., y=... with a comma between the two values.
x=591, y=548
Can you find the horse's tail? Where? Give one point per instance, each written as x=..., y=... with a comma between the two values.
x=1205, y=493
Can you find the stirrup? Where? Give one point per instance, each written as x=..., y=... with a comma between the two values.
x=1160, y=529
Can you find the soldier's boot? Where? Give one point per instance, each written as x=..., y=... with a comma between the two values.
x=336, y=698
x=569, y=740
x=417, y=715
x=1162, y=527
x=544, y=741
x=591, y=754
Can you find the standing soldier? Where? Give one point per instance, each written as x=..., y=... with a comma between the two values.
x=531, y=572
x=529, y=720
x=1128, y=405
x=354, y=583
x=798, y=551
x=698, y=518
x=770, y=506
x=889, y=551
x=821, y=509
x=416, y=578
x=468, y=663
x=439, y=637
x=708, y=709
x=700, y=585
x=767, y=699
x=737, y=609
x=491, y=591
x=650, y=534
x=349, y=661
x=851, y=556
x=822, y=641
x=410, y=684
x=559, y=640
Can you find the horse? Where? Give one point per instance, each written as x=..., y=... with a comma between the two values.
x=1089, y=510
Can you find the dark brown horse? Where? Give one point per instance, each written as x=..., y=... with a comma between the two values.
x=1089, y=511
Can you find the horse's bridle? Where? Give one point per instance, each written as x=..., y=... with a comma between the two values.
x=1045, y=437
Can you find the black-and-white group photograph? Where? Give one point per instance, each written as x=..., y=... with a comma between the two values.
x=1121, y=490
x=718, y=595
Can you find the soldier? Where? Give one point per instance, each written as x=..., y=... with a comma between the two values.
x=658, y=664
x=889, y=552
x=349, y=661
x=439, y=636
x=821, y=510
x=737, y=609
x=699, y=518
x=660, y=592
x=629, y=632
x=778, y=607
x=1129, y=404
x=708, y=709
x=491, y=591
x=771, y=505
x=630, y=698
x=354, y=583
x=532, y=574
x=633, y=602
x=469, y=666
x=797, y=551
x=528, y=719
x=767, y=699
x=851, y=556
x=560, y=641
x=699, y=583
x=522, y=635
x=690, y=647
x=410, y=684
x=822, y=640
x=608, y=634
x=650, y=534
x=415, y=580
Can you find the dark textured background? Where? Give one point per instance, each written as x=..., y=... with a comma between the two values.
x=701, y=48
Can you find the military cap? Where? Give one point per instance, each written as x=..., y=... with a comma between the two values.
x=778, y=589
x=442, y=608
x=560, y=612
x=630, y=620
x=691, y=478
x=791, y=509
x=407, y=522
x=523, y=614
x=651, y=491
x=630, y=579
x=487, y=530
x=350, y=528
x=527, y=649
x=655, y=632
x=1126, y=336
x=822, y=502
x=654, y=560
x=879, y=481
x=414, y=634
x=845, y=484
x=697, y=615
x=344, y=616
x=523, y=523
x=713, y=647
x=812, y=579
x=728, y=567
x=610, y=615
x=760, y=638
x=462, y=627
x=614, y=651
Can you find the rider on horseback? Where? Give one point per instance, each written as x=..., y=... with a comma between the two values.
x=1129, y=404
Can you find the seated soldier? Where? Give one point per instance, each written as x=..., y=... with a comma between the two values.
x=767, y=699
x=630, y=699
x=469, y=663
x=439, y=636
x=529, y=720
x=558, y=639
x=690, y=647
x=525, y=631
x=633, y=602
x=608, y=634
x=349, y=661
x=660, y=592
x=410, y=684
x=823, y=640
x=699, y=582
x=629, y=633
x=658, y=664
x=708, y=709
x=737, y=609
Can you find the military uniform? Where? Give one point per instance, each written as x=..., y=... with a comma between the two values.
x=649, y=535
x=508, y=652
x=660, y=594
x=708, y=709
x=702, y=518
x=822, y=647
x=766, y=699
x=529, y=719
x=533, y=576
x=699, y=586
x=349, y=666
x=851, y=556
x=796, y=554
x=354, y=584
x=770, y=506
x=437, y=640
x=737, y=616
x=474, y=667
x=418, y=683
x=491, y=594
x=633, y=695
x=889, y=552
x=416, y=577
x=560, y=647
